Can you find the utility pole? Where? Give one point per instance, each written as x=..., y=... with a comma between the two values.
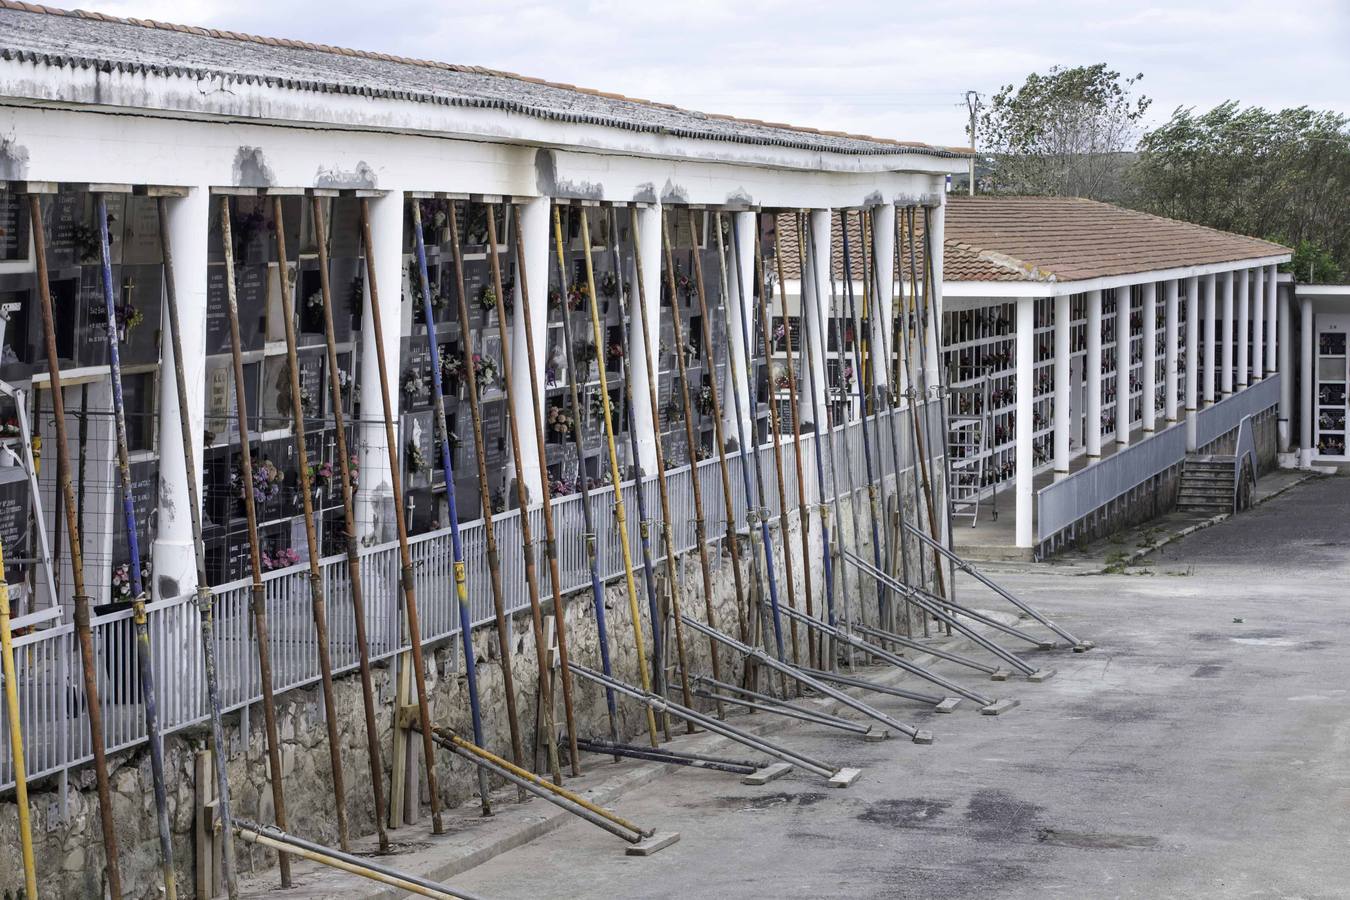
x=972, y=104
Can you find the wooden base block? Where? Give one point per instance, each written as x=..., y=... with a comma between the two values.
x=767, y=774
x=923, y=737
x=1000, y=675
x=654, y=844
x=876, y=734
x=998, y=707
x=844, y=777
x=1041, y=675
x=948, y=705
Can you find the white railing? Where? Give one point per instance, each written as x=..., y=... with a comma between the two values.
x=51, y=696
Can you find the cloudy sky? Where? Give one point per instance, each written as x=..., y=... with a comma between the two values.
x=882, y=67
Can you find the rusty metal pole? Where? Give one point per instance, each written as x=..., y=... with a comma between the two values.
x=489, y=526
x=406, y=584
x=89, y=663
x=803, y=508
x=620, y=516
x=667, y=526
x=144, y=661
x=349, y=537
x=316, y=595
x=205, y=600
x=258, y=595
x=700, y=522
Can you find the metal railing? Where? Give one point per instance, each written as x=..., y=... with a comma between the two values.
x=1216, y=421
x=51, y=696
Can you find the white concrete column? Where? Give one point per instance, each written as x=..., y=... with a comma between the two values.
x=1273, y=337
x=1122, y=366
x=1149, y=371
x=1258, y=309
x=644, y=417
x=883, y=252
x=375, y=496
x=1092, y=440
x=816, y=298
x=1226, y=339
x=1170, y=351
x=1026, y=391
x=934, y=306
x=1211, y=347
x=1286, y=370
x=534, y=231
x=1062, y=426
x=1242, y=328
x=741, y=320
x=1308, y=384
x=1192, y=357
x=175, y=564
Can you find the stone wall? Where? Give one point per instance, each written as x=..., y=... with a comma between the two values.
x=70, y=851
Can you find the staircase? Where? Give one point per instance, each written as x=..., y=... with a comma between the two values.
x=1206, y=485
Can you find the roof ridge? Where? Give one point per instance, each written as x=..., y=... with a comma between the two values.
x=295, y=44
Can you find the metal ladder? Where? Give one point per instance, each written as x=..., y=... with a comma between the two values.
x=968, y=440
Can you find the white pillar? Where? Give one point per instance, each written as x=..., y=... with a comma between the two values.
x=1242, y=328
x=1258, y=308
x=1286, y=371
x=1122, y=366
x=1149, y=371
x=1307, y=383
x=883, y=252
x=1093, y=439
x=1273, y=337
x=1211, y=316
x=1192, y=357
x=375, y=496
x=816, y=298
x=644, y=417
x=534, y=231
x=740, y=322
x=175, y=564
x=1026, y=390
x=1170, y=351
x=1063, y=331
x=1226, y=338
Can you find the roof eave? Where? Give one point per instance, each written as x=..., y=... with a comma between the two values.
x=1055, y=288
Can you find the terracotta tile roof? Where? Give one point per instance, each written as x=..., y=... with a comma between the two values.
x=792, y=264
x=77, y=39
x=1072, y=239
x=1054, y=239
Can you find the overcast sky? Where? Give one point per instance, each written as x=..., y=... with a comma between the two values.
x=881, y=67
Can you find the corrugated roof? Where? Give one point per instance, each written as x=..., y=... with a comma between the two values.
x=80, y=39
x=1055, y=239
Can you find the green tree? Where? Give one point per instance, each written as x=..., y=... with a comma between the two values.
x=1283, y=175
x=1063, y=133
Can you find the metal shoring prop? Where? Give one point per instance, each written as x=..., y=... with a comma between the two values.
x=831, y=434
x=489, y=527
x=757, y=702
x=667, y=526
x=883, y=638
x=943, y=704
x=276, y=839
x=751, y=449
x=550, y=536
x=700, y=523
x=349, y=521
x=761, y=543
x=620, y=517
x=16, y=737
x=787, y=669
x=258, y=593
x=318, y=604
x=406, y=583
x=205, y=600
x=905, y=358
x=924, y=436
x=943, y=611
x=144, y=662
x=644, y=521
x=588, y=516
x=839, y=777
x=965, y=566
x=803, y=512
x=448, y=470
x=930, y=290
x=666, y=755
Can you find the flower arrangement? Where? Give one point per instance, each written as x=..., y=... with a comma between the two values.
x=609, y=285
x=281, y=559
x=308, y=404
x=487, y=297
x=615, y=351
x=10, y=427
x=554, y=298
x=452, y=364
x=684, y=284
x=123, y=589
x=780, y=377
x=314, y=302
x=576, y=296
x=127, y=317
x=559, y=487
x=484, y=371
x=413, y=383
x=321, y=475
x=560, y=421
x=704, y=401
x=596, y=404
x=779, y=331
x=354, y=470
x=267, y=479
x=417, y=461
